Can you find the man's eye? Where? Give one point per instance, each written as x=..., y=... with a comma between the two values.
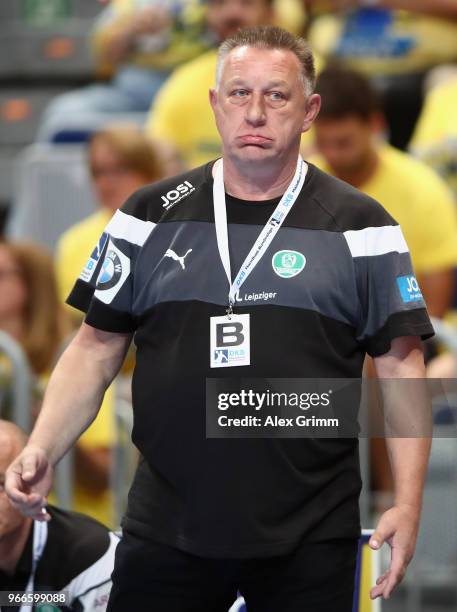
x=239, y=93
x=276, y=96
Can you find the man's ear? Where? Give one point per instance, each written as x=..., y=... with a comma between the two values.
x=313, y=106
x=213, y=98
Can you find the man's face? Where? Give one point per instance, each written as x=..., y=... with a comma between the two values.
x=260, y=107
x=10, y=519
x=225, y=17
x=345, y=143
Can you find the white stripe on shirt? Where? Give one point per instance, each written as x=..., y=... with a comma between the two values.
x=372, y=241
x=129, y=228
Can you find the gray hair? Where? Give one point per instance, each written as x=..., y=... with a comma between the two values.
x=270, y=37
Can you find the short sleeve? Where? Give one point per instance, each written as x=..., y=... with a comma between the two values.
x=391, y=303
x=104, y=289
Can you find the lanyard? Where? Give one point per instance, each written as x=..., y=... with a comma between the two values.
x=40, y=537
x=266, y=235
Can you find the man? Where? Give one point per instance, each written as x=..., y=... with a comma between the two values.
x=181, y=115
x=277, y=519
x=71, y=553
x=348, y=134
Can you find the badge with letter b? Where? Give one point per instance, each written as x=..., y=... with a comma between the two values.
x=229, y=341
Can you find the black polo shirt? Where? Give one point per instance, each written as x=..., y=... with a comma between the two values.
x=157, y=272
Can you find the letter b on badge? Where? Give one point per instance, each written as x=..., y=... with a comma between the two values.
x=229, y=334
x=229, y=341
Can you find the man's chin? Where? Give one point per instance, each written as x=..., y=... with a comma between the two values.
x=254, y=153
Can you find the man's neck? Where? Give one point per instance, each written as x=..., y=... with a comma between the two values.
x=258, y=181
x=359, y=176
x=12, y=546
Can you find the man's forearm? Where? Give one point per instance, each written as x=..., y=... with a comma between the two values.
x=409, y=459
x=407, y=417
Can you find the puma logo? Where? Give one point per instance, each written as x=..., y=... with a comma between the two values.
x=173, y=255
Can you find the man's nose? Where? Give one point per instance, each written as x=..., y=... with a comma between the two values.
x=255, y=111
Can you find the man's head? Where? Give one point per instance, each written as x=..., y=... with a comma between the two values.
x=225, y=17
x=263, y=99
x=12, y=441
x=348, y=121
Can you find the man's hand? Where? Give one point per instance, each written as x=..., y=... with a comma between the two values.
x=398, y=527
x=28, y=481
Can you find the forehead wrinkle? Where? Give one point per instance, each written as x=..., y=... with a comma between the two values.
x=272, y=83
x=236, y=65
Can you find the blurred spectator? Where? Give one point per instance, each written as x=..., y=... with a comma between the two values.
x=435, y=138
x=181, y=114
x=71, y=552
x=29, y=306
x=30, y=312
x=139, y=42
x=394, y=42
x=121, y=160
x=347, y=132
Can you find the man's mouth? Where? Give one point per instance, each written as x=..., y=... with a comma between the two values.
x=255, y=139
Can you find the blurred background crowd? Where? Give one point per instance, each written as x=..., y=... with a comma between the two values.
x=99, y=98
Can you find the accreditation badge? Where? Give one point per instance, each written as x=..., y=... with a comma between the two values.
x=230, y=341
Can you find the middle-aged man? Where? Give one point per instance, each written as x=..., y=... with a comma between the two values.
x=324, y=283
x=72, y=553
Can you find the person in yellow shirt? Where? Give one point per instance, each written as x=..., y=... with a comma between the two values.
x=435, y=137
x=121, y=160
x=348, y=137
x=181, y=114
x=137, y=43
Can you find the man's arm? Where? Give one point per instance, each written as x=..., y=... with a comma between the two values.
x=72, y=400
x=408, y=457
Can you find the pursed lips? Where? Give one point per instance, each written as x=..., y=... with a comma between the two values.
x=254, y=139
